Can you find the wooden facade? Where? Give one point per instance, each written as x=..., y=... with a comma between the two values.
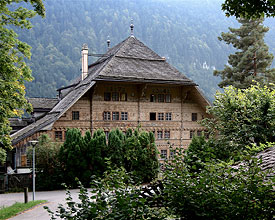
x=170, y=108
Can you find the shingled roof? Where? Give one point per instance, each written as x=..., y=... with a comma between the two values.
x=133, y=61
x=129, y=61
x=43, y=103
x=267, y=160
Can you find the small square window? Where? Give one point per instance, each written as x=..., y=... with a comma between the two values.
x=124, y=116
x=168, y=116
x=115, y=116
x=160, y=97
x=166, y=134
x=75, y=115
x=123, y=97
x=160, y=116
x=153, y=116
x=194, y=116
x=58, y=135
x=167, y=98
x=163, y=154
x=106, y=116
x=107, y=96
x=152, y=98
x=160, y=134
x=199, y=133
x=115, y=96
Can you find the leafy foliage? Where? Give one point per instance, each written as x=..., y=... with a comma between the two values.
x=110, y=198
x=249, y=9
x=85, y=156
x=252, y=61
x=13, y=69
x=73, y=156
x=243, y=116
x=138, y=153
x=49, y=173
x=200, y=151
x=219, y=191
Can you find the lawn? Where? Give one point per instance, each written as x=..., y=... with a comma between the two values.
x=7, y=212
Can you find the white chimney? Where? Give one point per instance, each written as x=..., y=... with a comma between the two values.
x=84, y=53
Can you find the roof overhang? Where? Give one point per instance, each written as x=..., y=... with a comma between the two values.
x=142, y=80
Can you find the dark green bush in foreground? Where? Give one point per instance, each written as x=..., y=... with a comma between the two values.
x=219, y=191
x=85, y=156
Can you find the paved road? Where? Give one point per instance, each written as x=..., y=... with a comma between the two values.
x=38, y=213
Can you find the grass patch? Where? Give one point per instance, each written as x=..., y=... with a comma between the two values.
x=7, y=212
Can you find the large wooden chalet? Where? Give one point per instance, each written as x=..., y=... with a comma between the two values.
x=127, y=87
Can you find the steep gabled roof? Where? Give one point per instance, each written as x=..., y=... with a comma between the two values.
x=132, y=61
x=129, y=61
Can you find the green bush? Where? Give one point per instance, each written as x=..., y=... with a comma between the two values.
x=242, y=117
x=219, y=191
x=85, y=156
x=48, y=167
x=110, y=198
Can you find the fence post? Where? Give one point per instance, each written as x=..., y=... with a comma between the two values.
x=26, y=190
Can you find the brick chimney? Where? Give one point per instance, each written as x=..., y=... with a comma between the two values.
x=84, y=53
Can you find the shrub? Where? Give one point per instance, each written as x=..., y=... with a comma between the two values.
x=49, y=172
x=219, y=191
x=110, y=199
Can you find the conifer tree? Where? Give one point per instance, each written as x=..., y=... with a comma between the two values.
x=252, y=60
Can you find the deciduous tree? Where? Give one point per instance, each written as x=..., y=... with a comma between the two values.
x=249, y=9
x=243, y=116
x=13, y=69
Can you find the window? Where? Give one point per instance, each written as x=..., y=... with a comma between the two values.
x=115, y=96
x=153, y=116
x=152, y=98
x=107, y=96
x=75, y=115
x=124, y=116
x=123, y=96
x=58, y=135
x=172, y=154
x=106, y=116
x=106, y=135
x=160, y=97
x=192, y=134
x=163, y=154
x=161, y=116
x=115, y=116
x=167, y=98
x=168, y=116
x=199, y=133
x=160, y=134
x=194, y=116
x=166, y=134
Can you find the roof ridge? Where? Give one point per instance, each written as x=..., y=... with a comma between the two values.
x=128, y=57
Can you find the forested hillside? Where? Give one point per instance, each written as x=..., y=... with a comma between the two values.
x=184, y=31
